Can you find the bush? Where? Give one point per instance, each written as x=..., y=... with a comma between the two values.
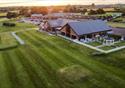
x=11, y=15
x=92, y=12
x=116, y=37
x=9, y=24
x=100, y=11
x=117, y=20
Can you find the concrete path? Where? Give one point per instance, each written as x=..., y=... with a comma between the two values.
x=116, y=49
x=18, y=38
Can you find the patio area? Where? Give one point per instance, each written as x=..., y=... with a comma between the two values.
x=102, y=44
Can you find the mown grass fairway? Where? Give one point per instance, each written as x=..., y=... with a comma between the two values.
x=7, y=41
x=36, y=64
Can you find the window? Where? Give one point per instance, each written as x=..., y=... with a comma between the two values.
x=62, y=33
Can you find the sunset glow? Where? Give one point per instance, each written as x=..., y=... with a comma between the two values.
x=55, y=2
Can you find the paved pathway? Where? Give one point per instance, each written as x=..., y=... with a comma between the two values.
x=17, y=38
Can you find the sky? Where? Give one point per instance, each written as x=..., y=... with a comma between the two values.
x=55, y=2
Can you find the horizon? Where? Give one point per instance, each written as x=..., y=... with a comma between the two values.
x=7, y=3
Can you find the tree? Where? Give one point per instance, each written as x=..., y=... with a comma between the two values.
x=93, y=5
x=11, y=15
x=67, y=8
x=25, y=12
x=92, y=12
x=100, y=11
x=123, y=14
x=39, y=10
x=84, y=11
x=123, y=11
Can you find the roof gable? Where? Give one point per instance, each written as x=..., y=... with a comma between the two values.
x=59, y=22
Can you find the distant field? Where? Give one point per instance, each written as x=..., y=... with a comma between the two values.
x=3, y=14
x=115, y=24
x=36, y=65
x=109, y=9
x=108, y=14
x=3, y=19
x=121, y=19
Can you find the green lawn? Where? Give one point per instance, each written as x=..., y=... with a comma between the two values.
x=94, y=44
x=7, y=41
x=119, y=19
x=37, y=65
x=115, y=24
x=108, y=14
x=108, y=47
x=19, y=26
x=122, y=43
x=3, y=19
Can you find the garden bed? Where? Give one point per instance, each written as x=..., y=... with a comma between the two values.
x=94, y=44
x=116, y=45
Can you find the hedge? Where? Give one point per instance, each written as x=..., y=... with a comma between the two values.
x=117, y=37
x=9, y=24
